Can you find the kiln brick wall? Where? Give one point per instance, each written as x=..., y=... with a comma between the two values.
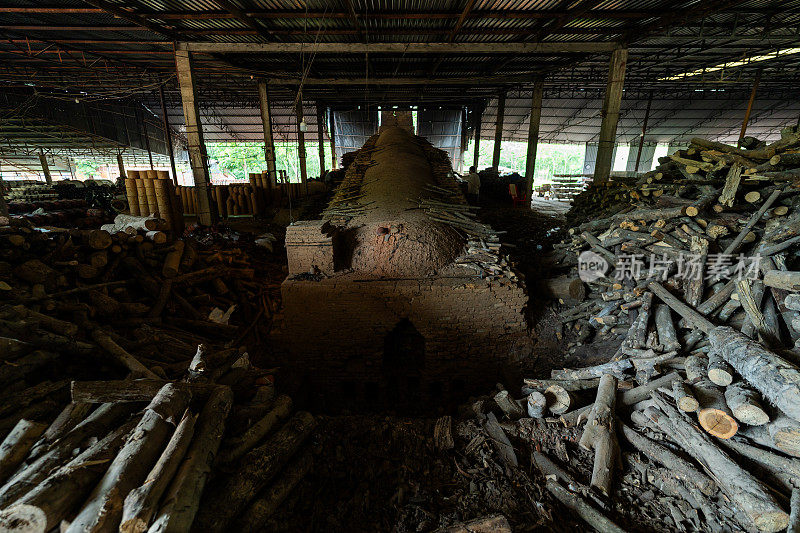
x=334, y=329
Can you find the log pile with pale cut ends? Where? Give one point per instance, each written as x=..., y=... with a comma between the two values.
x=713, y=355
x=139, y=454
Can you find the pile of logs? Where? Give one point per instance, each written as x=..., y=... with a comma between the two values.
x=151, y=193
x=81, y=307
x=739, y=171
x=137, y=454
x=705, y=380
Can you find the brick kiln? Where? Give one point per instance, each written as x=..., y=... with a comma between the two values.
x=398, y=294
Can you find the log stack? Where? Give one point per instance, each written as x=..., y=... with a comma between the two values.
x=706, y=322
x=112, y=414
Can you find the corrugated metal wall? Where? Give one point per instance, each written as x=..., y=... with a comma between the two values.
x=442, y=127
x=353, y=128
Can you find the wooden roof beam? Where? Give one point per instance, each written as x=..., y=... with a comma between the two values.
x=404, y=48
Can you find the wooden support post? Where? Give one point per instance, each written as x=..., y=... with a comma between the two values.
x=301, y=143
x=321, y=139
x=749, y=109
x=332, y=134
x=498, y=129
x=478, y=110
x=266, y=122
x=198, y=156
x=121, y=166
x=45, y=167
x=533, y=136
x=167, y=136
x=611, y=104
x=644, y=131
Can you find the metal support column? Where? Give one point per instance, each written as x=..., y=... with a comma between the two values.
x=45, y=167
x=533, y=136
x=498, y=129
x=610, y=113
x=266, y=124
x=167, y=136
x=198, y=157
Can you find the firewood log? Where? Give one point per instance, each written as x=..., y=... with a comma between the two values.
x=512, y=409
x=782, y=433
x=121, y=355
x=258, y=468
x=744, y=404
x=99, y=422
x=182, y=500
x=714, y=414
x=719, y=371
x=794, y=517
x=103, y=511
x=25, y=365
x=66, y=420
x=17, y=444
x=781, y=279
x=536, y=404
x=13, y=348
x=684, y=397
x=666, y=329
x=749, y=495
x=234, y=449
x=141, y=504
x=600, y=434
x=680, y=467
x=571, y=385
x=51, y=501
x=558, y=399
x=172, y=262
x=270, y=499
x=616, y=368
x=573, y=501
x=777, y=379
x=784, y=469
x=488, y=524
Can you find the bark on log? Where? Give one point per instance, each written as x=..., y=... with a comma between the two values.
x=696, y=368
x=488, y=524
x=745, y=405
x=600, y=434
x=123, y=222
x=785, y=469
x=774, y=377
x=751, y=496
x=564, y=288
x=103, y=511
x=794, y=517
x=44, y=507
x=616, y=368
x=629, y=397
x=781, y=434
x=121, y=355
x=17, y=444
x=714, y=415
x=692, y=317
x=141, y=504
x=34, y=361
x=99, y=422
x=258, y=468
x=537, y=404
x=667, y=336
x=182, y=500
x=572, y=385
x=66, y=420
x=512, y=409
x=126, y=391
x=572, y=501
x=172, y=262
x=234, y=449
x=268, y=501
x=719, y=371
x=684, y=397
x=782, y=279
x=679, y=467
